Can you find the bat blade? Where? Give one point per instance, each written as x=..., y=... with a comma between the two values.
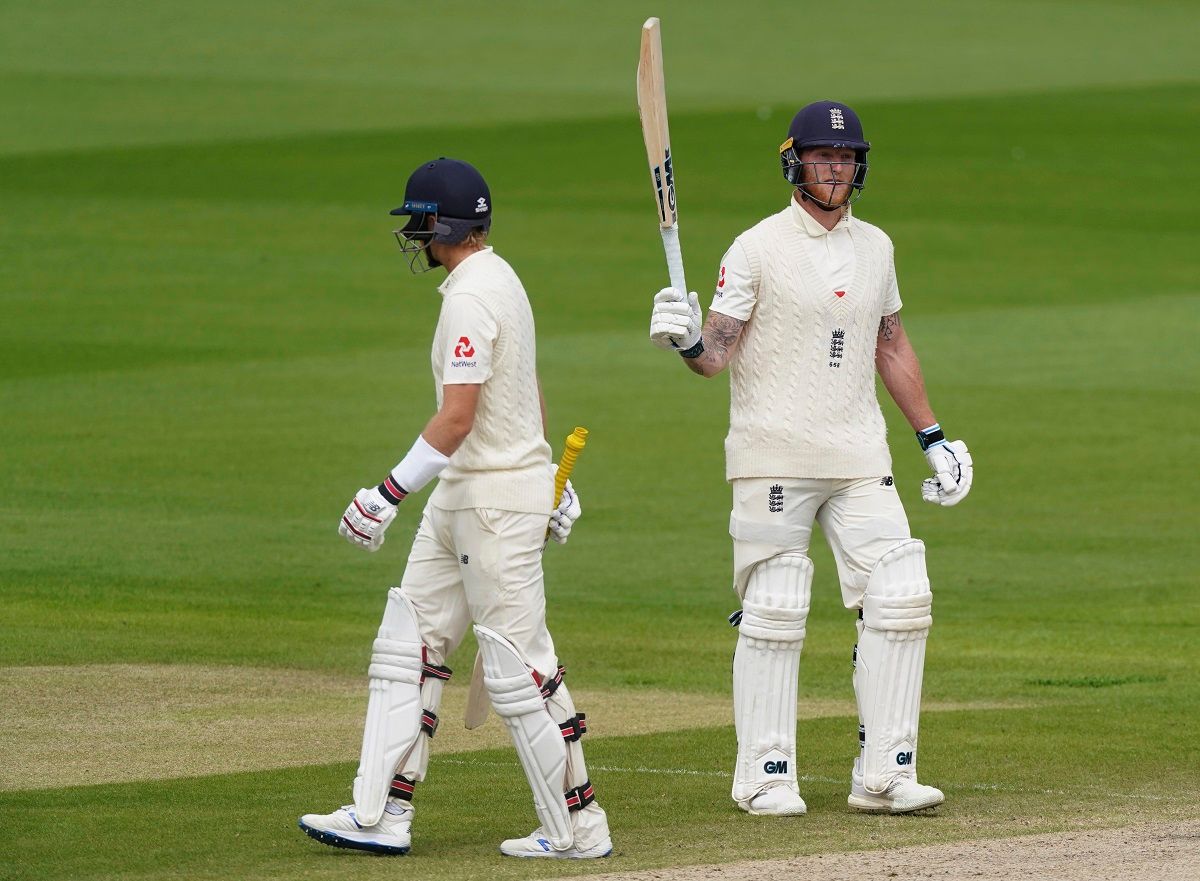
x=652, y=108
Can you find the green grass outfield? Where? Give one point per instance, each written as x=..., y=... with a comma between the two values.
x=208, y=341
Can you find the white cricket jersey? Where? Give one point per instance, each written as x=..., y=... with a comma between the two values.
x=802, y=380
x=485, y=336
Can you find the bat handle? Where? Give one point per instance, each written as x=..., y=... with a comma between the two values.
x=670, y=237
x=571, y=449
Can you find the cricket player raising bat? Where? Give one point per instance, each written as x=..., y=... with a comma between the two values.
x=806, y=311
x=477, y=556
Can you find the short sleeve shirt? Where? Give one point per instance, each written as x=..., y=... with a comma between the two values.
x=735, y=293
x=471, y=331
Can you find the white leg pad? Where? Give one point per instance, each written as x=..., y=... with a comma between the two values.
x=517, y=699
x=393, y=723
x=766, y=669
x=889, y=663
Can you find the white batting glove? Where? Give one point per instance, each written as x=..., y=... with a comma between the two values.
x=366, y=518
x=676, y=320
x=564, y=516
x=952, y=468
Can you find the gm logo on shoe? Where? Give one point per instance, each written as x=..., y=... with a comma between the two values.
x=771, y=767
x=904, y=758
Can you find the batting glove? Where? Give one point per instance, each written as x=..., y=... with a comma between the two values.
x=366, y=519
x=564, y=516
x=952, y=468
x=676, y=320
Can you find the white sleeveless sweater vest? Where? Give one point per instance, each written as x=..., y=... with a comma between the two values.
x=802, y=380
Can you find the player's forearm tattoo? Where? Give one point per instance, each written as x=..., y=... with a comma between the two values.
x=720, y=336
x=888, y=326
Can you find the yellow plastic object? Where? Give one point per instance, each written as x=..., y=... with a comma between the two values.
x=574, y=445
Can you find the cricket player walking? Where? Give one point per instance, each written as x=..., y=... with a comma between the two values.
x=806, y=311
x=477, y=556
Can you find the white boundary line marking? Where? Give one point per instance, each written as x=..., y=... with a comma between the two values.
x=812, y=778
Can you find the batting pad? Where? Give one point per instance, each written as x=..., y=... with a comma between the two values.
x=766, y=670
x=890, y=662
x=393, y=706
x=517, y=699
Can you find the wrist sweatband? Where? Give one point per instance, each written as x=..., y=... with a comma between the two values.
x=422, y=464
x=931, y=436
x=695, y=351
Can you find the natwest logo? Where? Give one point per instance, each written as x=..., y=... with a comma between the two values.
x=464, y=349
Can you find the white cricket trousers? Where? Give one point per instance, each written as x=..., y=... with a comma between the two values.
x=482, y=565
x=485, y=565
x=861, y=518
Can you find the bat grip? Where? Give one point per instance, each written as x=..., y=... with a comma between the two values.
x=670, y=237
x=566, y=464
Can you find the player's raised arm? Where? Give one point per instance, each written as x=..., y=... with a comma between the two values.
x=707, y=347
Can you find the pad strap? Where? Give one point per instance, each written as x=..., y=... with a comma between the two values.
x=580, y=797
x=429, y=722
x=550, y=684
x=402, y=788
x=437, y=672
x=574, y=728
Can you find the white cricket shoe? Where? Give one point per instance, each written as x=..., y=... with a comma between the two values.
x=537, y=846
x=903, y=796
x=392, y=835
x=775, y=801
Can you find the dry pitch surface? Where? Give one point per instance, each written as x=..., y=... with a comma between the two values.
x=117, y=723
x=1143, y=852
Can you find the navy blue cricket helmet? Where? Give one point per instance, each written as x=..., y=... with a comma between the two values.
x=824, y=124
x=454, y=194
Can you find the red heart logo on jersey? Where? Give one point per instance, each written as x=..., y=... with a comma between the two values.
x=464, y=349
x=840, y=293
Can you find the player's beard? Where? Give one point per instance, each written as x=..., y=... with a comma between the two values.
x=825, y=191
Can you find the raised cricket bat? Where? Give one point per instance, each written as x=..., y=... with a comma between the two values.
x=652, y=107
x=477, y=700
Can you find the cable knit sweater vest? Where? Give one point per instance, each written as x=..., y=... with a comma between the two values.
x=802, y=380
x=505, y=461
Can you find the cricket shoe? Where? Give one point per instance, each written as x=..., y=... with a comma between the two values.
x=903, y=796
x=392, y=835
x=535, y=845
x=775, y=801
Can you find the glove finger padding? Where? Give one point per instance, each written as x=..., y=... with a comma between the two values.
x=563, y=518
x=953, y=470
x=366, y=518
x=670, y=295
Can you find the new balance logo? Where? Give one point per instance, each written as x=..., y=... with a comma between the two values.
x=775, y=499
x=464, y=559
x=886, y=481
x=904, y=758
x=835, y=118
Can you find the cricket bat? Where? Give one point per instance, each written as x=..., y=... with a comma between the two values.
x=478, y=703
x=652, y=108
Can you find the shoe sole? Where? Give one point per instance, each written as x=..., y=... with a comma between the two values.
x=788, y=813
x=870, y=805
x=558, y=855
x=335, y=840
